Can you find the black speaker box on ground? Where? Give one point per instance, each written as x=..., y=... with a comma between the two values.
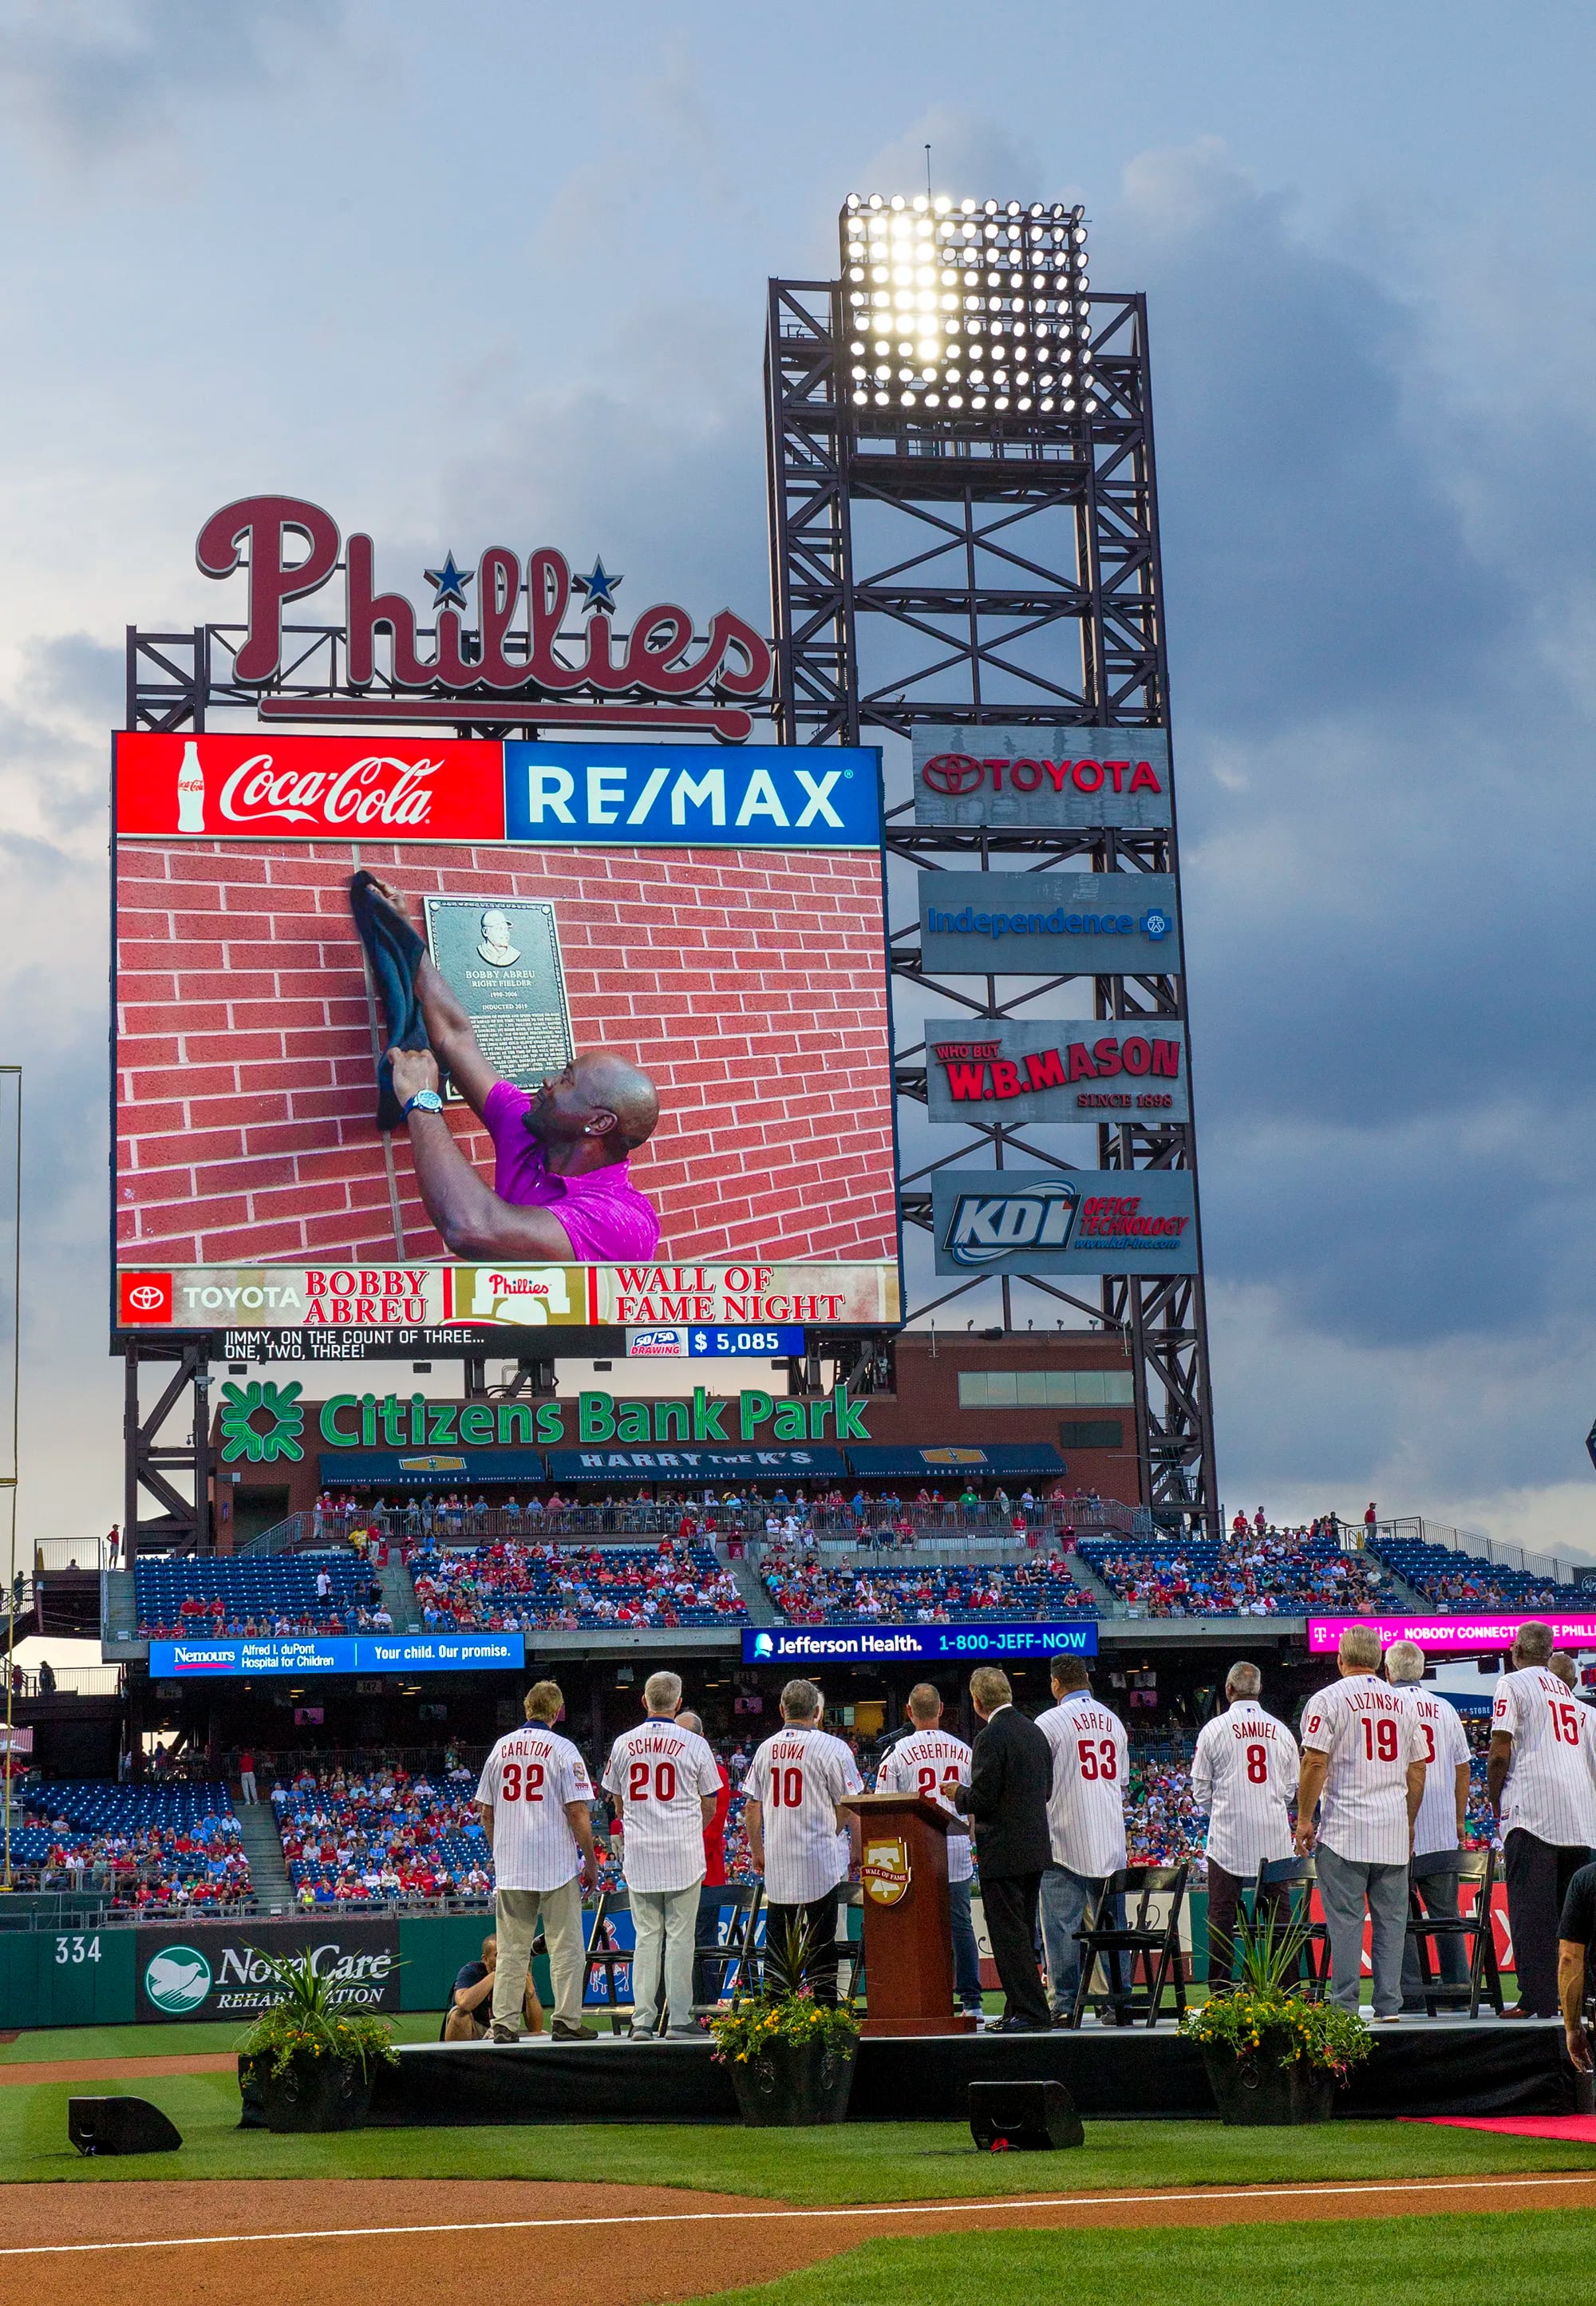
x=119, y=2125
x=1034, y=2117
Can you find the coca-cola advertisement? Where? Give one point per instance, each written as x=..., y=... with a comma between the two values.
x=406, y=1002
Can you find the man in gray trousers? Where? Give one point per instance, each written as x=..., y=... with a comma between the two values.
x=1363, y=1767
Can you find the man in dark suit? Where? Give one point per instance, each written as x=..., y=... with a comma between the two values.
x=1011, y=1777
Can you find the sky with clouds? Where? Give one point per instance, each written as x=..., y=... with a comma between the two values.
x=496, y=272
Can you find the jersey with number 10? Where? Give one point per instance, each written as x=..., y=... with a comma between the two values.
x=1551, y=1780
x=1244, y=1774
x=526, y=1781
x=798, y=1777
x=932, y=1762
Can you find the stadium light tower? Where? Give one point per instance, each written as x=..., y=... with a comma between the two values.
x=964, y=534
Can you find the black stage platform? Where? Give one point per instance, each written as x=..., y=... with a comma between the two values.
x=1435, y=2066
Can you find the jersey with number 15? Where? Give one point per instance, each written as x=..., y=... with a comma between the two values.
x=1551, y=1780
x=527, y=1781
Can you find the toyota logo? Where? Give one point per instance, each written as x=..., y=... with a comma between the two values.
x=146, y=1297
x=952, y=772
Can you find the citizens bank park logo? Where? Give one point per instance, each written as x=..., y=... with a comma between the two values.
x=987, y=1225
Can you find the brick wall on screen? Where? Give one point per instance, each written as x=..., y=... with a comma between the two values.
x=750, y=984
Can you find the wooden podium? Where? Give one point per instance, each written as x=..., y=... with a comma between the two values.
x=909, y=1949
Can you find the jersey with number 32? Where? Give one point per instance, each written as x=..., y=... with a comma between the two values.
x=527, y=1781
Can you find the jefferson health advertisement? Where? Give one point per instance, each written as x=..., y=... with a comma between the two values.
x=416, y=1030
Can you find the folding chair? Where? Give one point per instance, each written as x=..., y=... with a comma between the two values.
x=731, y=1960
x=607, y=1958
x=1298, y=1877
x=1151, y=1946
x=1477, y=1867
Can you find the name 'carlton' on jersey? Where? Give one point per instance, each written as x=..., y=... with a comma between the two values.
x=1244, y=1774
x=527, y=1781
x=1371, y=1734
x=932, y=1762
x=799, y=1777
x=656, y=1774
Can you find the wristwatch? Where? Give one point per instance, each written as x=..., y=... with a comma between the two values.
x=426, y=1100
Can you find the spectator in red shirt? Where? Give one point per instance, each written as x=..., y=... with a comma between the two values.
x=706, y=1975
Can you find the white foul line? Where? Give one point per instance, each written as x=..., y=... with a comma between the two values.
x=849, y=2210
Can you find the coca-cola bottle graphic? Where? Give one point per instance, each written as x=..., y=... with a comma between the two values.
x=191, y=791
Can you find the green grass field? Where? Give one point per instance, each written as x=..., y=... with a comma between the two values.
x=1454, y=2262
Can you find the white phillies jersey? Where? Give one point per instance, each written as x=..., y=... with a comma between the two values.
x=797, y=1778
x=656, y=1774
x=1086, y=1810
x=1551, y=1780
x=932, y=1762
x=1244, y=1774
x=1446, y=1745
x=1371, y=1734
x=527, y=1781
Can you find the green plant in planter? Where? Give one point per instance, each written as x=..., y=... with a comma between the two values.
x=1271, y=2015
x=307, y=2023
x=791, y=2056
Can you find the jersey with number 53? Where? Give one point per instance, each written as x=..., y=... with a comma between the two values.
x=656, y=1774
x=1086, y=1810
x=798, y=1777
x=932, y=1762
x=1551, y=1779
x=527, y=1781
x=1244, y=1774
x=1369, y=1734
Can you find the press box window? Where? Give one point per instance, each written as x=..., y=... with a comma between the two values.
x=1045, y=1389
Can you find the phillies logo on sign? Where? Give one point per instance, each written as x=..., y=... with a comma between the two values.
x=417, y=789
x=498, y=633
x=145, y=1297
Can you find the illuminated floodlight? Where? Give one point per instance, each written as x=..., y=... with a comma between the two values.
x=992, y=296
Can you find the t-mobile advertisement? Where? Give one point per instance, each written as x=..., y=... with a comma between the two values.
x=414, y=1031
x=1463, y=1636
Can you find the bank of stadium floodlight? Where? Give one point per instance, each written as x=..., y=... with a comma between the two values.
x=965, y=307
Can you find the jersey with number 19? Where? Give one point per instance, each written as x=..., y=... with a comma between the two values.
x=798, y=1777
x=1551, y=1780
x=1369, y=1734
x=932, y=1762
x=527, y=1781
x=1244, y=1774
x=656, y=1774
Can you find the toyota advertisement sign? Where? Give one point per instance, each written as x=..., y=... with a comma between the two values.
x=1097, y=1221
x=1014, y=1069
x=1076, y=778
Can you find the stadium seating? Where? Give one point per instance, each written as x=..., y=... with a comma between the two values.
x=359, y=1836
x=1460, y=1583
x=155, y=1845
x=807, y=1593
x=541, y=1585
x=1279, y=1574
x=257, y=1595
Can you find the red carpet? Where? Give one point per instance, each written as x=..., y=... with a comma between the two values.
x=1577, y=2129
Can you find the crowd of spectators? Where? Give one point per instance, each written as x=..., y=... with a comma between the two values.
x=1461, y=1584
x=287, y=1596
x=150, y=1849
x=540, y=1586
x=808, y=1593
x=1257, y=1572
x=357, y=1836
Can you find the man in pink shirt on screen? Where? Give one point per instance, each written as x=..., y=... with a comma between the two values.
x=561, y=1193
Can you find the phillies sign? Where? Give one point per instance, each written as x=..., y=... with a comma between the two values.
x=498, y=636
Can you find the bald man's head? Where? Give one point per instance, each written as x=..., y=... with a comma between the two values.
x=601, y=1097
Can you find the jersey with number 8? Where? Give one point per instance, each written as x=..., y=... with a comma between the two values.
x=1551, y=1780
x=526, y=1781
x=1244, y=1774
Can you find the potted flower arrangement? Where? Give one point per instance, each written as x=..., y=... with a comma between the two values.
x=305, y=2063
x=790, y=2058
x=1275, y=2053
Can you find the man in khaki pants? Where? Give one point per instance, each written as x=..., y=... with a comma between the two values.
x=533, y=1800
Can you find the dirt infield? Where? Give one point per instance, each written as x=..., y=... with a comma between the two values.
x=278, y=2243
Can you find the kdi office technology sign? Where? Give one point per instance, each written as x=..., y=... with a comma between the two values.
x=1064, y=1221
x=1049, y=923
x=819, y=1645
